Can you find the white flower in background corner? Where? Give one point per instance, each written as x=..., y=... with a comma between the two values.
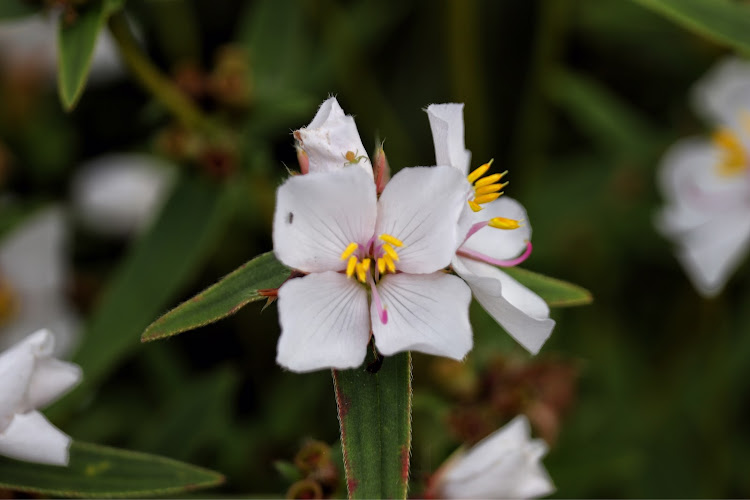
x=332, y=226
x=495, y=238
x=33, y=281
x=30, y=378
x=119, y=194
x=706, y=181
x=30, y=43
x=506, y=464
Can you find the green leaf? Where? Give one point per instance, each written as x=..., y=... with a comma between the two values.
x=226, y=297
x=722, y=21
x=158, y=266
x=556, y=293
x=374, y=408
x=76, y=43
x=15, y=9
x=103, y=472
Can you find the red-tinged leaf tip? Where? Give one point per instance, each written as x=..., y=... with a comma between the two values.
x=405, y=462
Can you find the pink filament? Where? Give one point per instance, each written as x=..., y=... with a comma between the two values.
x=382, y=313
x=472, y=254
x=476, y=227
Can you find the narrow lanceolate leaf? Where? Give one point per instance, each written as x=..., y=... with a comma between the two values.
x=226, y=297
x=724, y=21
x=556, y=293
x=75, y=49
x=158, y=266
x=374, y=407
x=103, y=472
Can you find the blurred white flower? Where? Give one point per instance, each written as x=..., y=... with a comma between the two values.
x=506, y=464
x=30, y=44
x=706, y=182
x=499, y=235
x=33, y=280
x=31, y=378
x=119, y=194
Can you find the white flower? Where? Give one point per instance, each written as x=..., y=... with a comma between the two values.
x=119, y=194
x=33, y=280
x=331, y=140
x=30, y=43
x=707, y=182
x=495, y=237
x=333, y=226
x=506, y=464
x=30, y=378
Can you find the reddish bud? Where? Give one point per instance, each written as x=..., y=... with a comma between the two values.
x=381, y=170
x=303, y=159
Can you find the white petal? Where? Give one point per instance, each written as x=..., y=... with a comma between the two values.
x=421, y=207
x=32, y=438
x=713, y=94
x=503, y=465
x=50, y=380
x=523, y=314
x=329, y=137
x=16, y=368
x=500, y=243
x=325, y=323
x=712, y=252
x=447, y=124
x=317, y=216
x=426, y=312
x=120, y=194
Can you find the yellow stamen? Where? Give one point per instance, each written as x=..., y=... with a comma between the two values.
x=389, y=263
x=490, y=179
x=350, y=249
x=474, y=206
x=734, y=160
x=350, y=266
x=492, y=188
x=503, y=223
x=486, y=198
x=392, y=240
x=390, y=251
x=366, y=263
x=381, y=265
x=362, y=272
x=479, y=172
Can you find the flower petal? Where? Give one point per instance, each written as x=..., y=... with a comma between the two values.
x=713, y=251
x=329, y=137
x=500, y=243
x=421, y=207
x=447, y=124
x=713, y=94
x=325, y=323
x=16, y=368
x=50, y=380
x=426, y=312
x=523, y=314
x=32, y=438
x=317, y=216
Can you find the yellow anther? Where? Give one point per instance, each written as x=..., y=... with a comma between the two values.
x=390, y=252
x=490, y=179
x=389, y=263
x=734, y=159
x=350, y=249
x=503, y=223
x=479, y=172
x=486, y=198
x=366, y=263
x=350, y=266
x=492, y=188
x=474, y=206
x=362, y=272
x=381, y=265
x=392, y=240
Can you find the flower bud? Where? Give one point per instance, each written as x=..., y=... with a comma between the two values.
x=381, y=170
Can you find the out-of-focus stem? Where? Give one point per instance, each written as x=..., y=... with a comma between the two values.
x=149, y=76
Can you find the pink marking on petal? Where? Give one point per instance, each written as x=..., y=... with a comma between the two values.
x=382, y=312
x=472, y=254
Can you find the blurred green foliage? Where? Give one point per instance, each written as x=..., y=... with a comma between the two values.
x=577, y=98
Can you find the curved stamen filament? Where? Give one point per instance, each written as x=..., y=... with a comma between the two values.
x=472, y=254
x=379, y=307
x=486, y=189
x=495, y=222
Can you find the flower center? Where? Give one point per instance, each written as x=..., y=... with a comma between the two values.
x=486, y=189
x=734, y=158
x=8, y=303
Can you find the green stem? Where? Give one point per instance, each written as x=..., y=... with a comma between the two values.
x=149, y=76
